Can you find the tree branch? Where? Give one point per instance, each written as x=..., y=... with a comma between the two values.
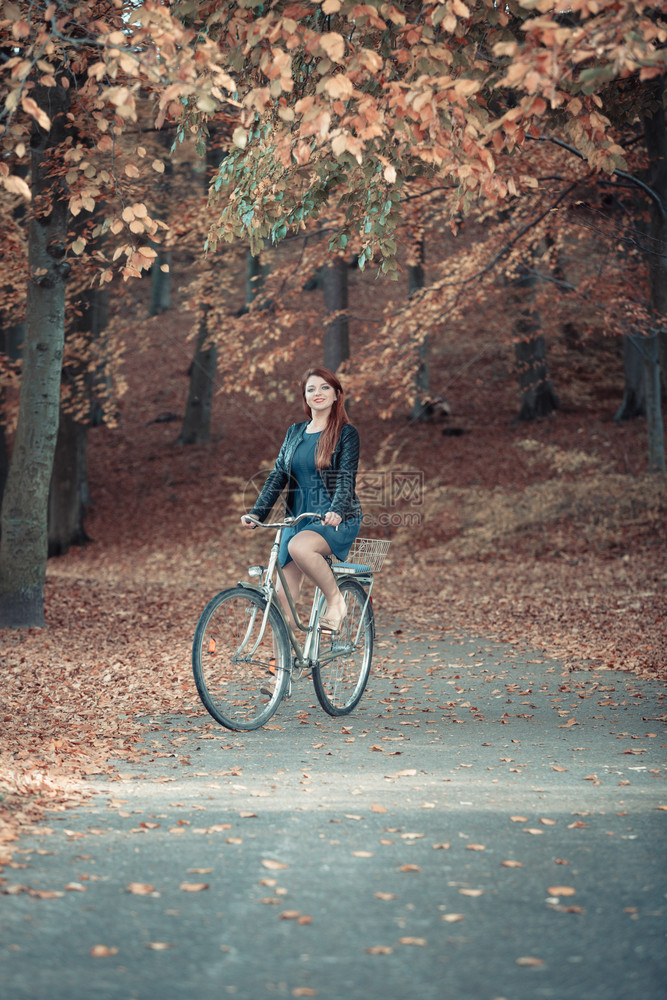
x=620, y=173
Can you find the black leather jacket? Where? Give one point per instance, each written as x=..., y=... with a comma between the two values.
x=339, y=478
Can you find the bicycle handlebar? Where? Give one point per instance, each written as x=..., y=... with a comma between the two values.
x=282, y=524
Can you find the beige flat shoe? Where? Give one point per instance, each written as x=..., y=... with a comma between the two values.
x=332, y=624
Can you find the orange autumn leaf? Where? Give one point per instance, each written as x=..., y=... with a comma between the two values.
x=139, y=888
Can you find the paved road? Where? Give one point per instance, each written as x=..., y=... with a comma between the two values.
x=484, y=826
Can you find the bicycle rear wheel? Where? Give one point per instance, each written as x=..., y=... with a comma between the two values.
x=340, y=683
x=233, y=660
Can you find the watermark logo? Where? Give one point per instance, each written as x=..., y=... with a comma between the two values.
x=388, y=499
x=389, y=489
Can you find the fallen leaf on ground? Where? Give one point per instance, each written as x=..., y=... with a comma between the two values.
x=272, y=865
x=194, y=886
x=529, y=960
x=417, y=941
x=561, y=890
x=139, y=888
x=379, y=949
x=159, y=945
x=102, y=951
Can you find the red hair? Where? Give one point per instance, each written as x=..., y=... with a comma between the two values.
x=337, y=417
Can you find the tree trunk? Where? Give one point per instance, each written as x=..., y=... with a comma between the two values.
x=98, y=379
x=255, y=275
x=23, y=552
x=196, y=426
x=69, y=487
x=161, y=281
x=538, y=398
x=655, y=132
x=416, y=279
x=634, y=394
x=336, y=330
x=161, y=270
x=197, y=420
x=69, y=492
x=656, y=437
x=11, y=340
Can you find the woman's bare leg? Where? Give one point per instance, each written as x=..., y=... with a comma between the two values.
x=294, y=578
x=308, y=550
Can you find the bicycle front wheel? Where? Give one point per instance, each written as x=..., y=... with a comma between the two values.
x=240, y=659
x=340, y=681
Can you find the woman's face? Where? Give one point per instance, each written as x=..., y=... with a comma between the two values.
x=320, y=396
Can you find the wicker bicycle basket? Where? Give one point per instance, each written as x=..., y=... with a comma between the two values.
x=369, y=552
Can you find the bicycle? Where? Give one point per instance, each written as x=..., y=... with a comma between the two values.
x=245, y=653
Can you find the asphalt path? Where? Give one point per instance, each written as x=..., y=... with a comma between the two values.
x=485, y=825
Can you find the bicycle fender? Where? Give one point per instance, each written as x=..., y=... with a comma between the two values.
x=251, y=586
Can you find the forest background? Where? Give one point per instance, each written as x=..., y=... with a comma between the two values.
x=202, y=199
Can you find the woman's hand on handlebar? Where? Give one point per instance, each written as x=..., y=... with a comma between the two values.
x=247, y=523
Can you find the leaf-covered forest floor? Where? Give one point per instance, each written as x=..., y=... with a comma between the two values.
x=549, y=536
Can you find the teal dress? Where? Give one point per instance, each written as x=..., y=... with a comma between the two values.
x=311, y=494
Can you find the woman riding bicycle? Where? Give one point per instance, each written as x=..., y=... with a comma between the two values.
x=318, y=463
